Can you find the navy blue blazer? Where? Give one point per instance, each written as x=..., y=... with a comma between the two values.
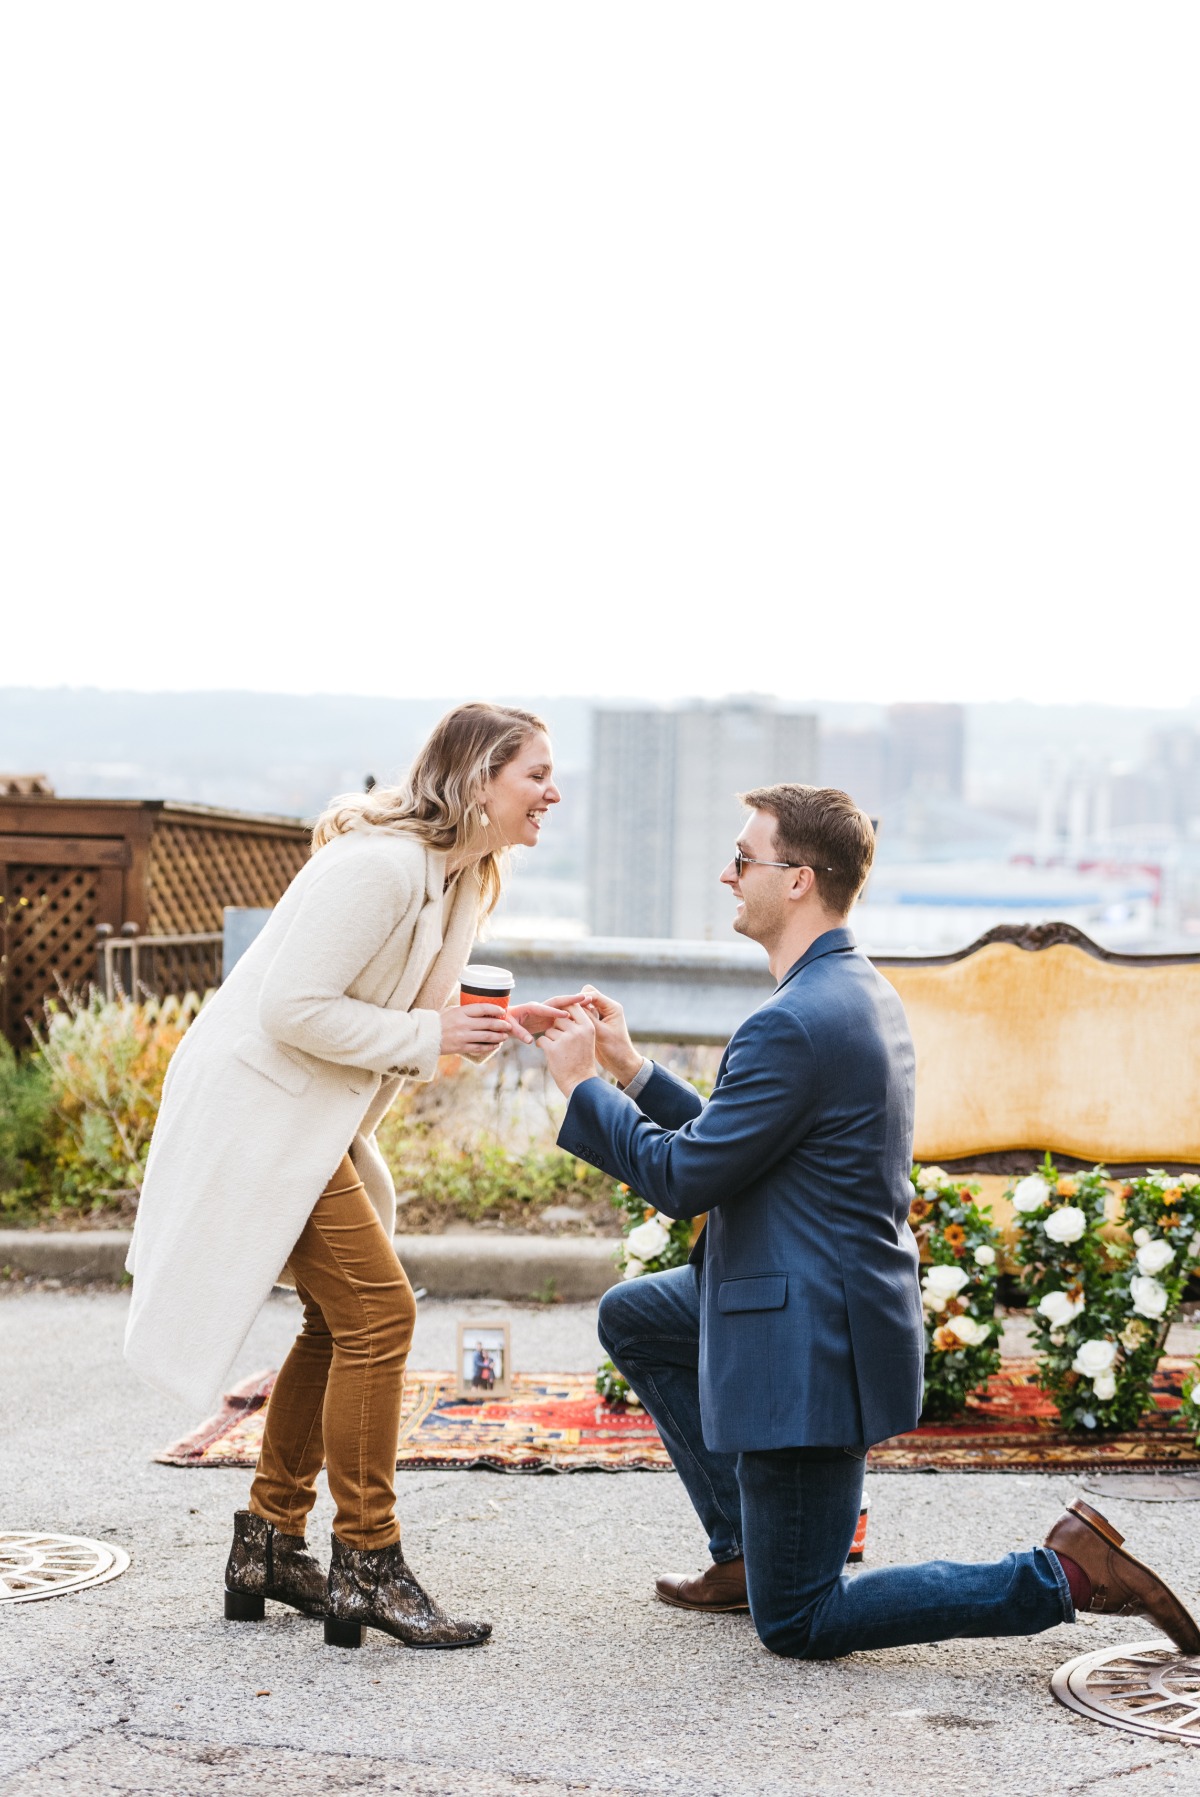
x=811, y=1331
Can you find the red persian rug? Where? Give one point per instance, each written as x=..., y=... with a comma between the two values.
x=556, y=1423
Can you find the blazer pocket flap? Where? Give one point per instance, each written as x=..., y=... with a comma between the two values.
x=766, y=1292
x=269, y=1059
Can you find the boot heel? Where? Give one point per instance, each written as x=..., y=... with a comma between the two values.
x=244, y=1606
x=342, y=1634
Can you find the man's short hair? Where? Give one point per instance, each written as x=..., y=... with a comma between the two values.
x=821, y=828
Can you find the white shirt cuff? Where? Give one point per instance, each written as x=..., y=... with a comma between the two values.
x=638, y=1083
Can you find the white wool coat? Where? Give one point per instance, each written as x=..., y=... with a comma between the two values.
x=293, y=1061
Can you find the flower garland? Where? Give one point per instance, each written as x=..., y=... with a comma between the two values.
x=1101, y=1309
x=653, y=1242
x=958, y=1289
x=1162, y=1214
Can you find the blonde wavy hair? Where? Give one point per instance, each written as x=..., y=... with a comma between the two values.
x=439, y=803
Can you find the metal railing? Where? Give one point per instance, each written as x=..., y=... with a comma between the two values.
x=134, y=966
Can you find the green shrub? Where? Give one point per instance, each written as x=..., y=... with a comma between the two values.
x=27, y=1125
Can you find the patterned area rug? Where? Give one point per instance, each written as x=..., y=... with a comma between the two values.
x=557, y=1423
x=553, y=1423
x=1013, y=1427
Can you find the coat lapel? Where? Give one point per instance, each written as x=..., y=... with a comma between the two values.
x=455, y=946
x=831, y=943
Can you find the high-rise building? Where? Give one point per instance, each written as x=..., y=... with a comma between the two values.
x=925, y=751
x=664, y=807
x=855, y=761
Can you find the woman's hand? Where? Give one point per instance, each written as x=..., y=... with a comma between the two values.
x=538, y=1018
x=475, y=1029
x=569, y=1045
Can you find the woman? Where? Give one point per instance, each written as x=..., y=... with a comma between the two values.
x=264, y=1154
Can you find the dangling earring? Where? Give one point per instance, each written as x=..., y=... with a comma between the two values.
x=484, y=819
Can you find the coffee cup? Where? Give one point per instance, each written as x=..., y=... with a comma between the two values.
x=486, y=986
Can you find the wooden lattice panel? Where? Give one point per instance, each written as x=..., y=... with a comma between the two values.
x=196, y=872
x=50, y=918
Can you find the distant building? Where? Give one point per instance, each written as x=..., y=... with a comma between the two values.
x=855, y=761
x=925, y=750
x=664, y=810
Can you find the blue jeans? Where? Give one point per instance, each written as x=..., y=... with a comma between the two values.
x=792, y=1512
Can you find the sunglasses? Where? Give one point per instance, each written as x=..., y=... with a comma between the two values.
x=740, y=861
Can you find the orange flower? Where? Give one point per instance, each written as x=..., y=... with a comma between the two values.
x=1067, y=1187
x=945, y=1338
x=1170, y=1220
x=920, y=1207
x=954, y=1236
x=1172, y=1195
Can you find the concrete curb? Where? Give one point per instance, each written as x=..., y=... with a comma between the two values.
x=478, y=1264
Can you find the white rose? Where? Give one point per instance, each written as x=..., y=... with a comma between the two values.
x=931, y=1301
x=1030, y=1193
x=1095, y=1358
x=1105, y=1386
x=664, y=1220
x=984, y=1256
x=1154, y=1256
x=944, y=1282
x=1140, y=1237
x=1190, y=1179
x=1067, y=1224
x=932, y=1176
x=968, y=1331
x=1149, y=1297
x=1059, y=1309
x=633, y=1268
x=1194, y=1247
x=647, y=1241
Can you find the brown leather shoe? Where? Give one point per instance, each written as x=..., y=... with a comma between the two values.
x=1121, y=1585
x=719, y=1587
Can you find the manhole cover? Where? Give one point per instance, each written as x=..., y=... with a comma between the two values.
x=33, y=1566
x=1146, y=1488
x=1147, y=1689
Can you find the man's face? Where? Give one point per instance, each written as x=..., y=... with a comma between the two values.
x=762, y=891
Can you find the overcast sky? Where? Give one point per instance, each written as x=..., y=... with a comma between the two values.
x=842, y=351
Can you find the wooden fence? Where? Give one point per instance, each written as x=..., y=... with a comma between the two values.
x=71, y=868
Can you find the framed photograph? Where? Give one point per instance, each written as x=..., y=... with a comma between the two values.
x=484, y=1361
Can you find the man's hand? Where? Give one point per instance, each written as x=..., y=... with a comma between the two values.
x=614, y=1050
x=569, y=1046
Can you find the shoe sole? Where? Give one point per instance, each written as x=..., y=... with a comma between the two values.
x=680, y=1603
x=338, y=1635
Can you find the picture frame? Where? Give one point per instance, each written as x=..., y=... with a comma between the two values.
x=483, y=1364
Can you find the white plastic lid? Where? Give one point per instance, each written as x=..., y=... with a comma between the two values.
x=489, y=979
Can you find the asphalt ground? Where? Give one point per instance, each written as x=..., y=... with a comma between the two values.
x=589, y=1685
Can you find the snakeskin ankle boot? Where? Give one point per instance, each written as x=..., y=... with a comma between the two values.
x=374, y=1588
x=263, y=1563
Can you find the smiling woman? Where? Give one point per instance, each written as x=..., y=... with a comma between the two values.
x=264, y=1158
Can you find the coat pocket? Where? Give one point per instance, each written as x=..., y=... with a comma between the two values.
x=768, y=1291
x=274, y=1063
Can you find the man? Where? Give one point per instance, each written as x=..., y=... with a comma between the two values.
x=795, y=1341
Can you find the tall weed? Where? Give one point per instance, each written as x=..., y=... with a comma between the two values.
x=106, y=1060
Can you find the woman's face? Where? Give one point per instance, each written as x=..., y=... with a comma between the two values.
x=516, y=799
